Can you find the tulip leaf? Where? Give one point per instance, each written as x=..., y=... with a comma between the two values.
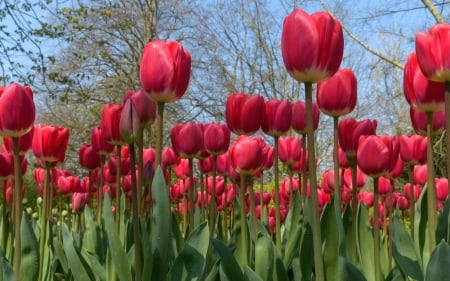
x=29, y=266
x=161, y=227
x=77, y=265
x=280, y=272
x=439, y=262
x=264, y=257
x=229, y=267
x=421, y=228
x=395, y=275
x=306, y=248
x=365, y=243
x=334, y=249
x=250, y=275
x=117, y=252
x=190, y=263
x=442, y=230
x=6, y=271
x=352, y=272
x=92, y=241
x=294, y=230
x=404, y=251
x=237, y=233
x=147, y=251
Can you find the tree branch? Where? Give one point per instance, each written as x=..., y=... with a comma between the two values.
x=430, y=6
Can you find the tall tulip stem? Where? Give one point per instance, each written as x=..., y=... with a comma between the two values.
x=118, y=187
x=277, y=196
x=337, y=184
x=159, y=132
x=354, y=233
x=243, y=217
x=191, y=195
x=315, y=224
x=4, y=217
x=431, y=189
x=135, y=206
x=376, y=231
x=43, y=220
x=17, y=207
x=213, y=205
x=411, y=199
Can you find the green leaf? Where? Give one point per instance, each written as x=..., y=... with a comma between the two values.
x=294, y=230
x=421, y=228
x=147, y=251
x=229, y=267
x=78, y=267
x=442, y=230
x=264, y=257
x=334, y=247
x=353, y=273
x=190, y=263
x=404, y=252
x=439, y=263
x=236, y=235
x=91, y=240
x=118, y=254
x=306, y=253
x=161, y=227
x=7, y=273
x=29, y=266
x=365, y=243
x=250, y=275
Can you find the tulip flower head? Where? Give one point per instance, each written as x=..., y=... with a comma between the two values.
x=244, y=113
x=298, y=123
x=277, y=117
x=377, y=155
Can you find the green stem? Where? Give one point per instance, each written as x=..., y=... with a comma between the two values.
x=159, y=132
x=118, y=186
x=354, y=233
x=315, y=224
x=376, y=232
x=4, y=217
x=243, y=219
x=411, y=199
x=337, y=185
x=43, y=220
x=431, y=190
x=140, y=184
x=277, y=196
x=253, y=211
x=303, y=173
x=212, y=204
x=135, y=208
x=191, y=195
x=100, y=191
x=17, y=207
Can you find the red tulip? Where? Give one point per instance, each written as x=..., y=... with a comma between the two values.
x=419, y=122
x=268, y=154
x=441, y=188
x=416, y=189
x=50, y=143
x=124, y=162
x=169, y=157
x=145, y=107
x=420, y=173
x=349, y=131
x=312, y=45
x=6, y=165
x=413, y=149
x=289, y=149
x=17, y=110
x=182, y=169
x=99, y=142
x=421, y=93
x=165, y=70
x=366, y=198
x=129, y=123
x=222, y=164
x=298, y=123
x=205, y=165
x=433, y=52
x=402, y=202
x=377, y=155
x=220, y=185
x=277, y=117
x=216, y=138
x=89, y=158
x=79, y=201
x=24, y=143
x=337, y=95
x=397, y=170
x=384, y=186
x=68, y=184
x=246, y=154
x=109, y=124
x=244, y=113
x=187, y=139
x=360, y=178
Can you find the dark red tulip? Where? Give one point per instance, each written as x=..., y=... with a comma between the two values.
x=165, y=70
x=244, y=113
x=145, y=107
x=24, y=143
x=79, y=201
x=433, y=49
x=421, y=93
x=413, y=149
x=441, y=189
x=298, y=123
x=124, y=162
x=277, y=117
x=6, y=165
x=360, y=178
x=110, y=122
x=216, y=138
x=223, y=164
x=246, y=154
x=50, y=143
x=169, y=157
x=67, y=185
x=377, y=155
x=384, y=186
x=419, y=122
x=312, y=46
x=129, y=123
x=349, y=131
x=99, y=142
x=187, y=139
x=397, y=170
x=181, y=170
x=337, y=95
x=289, y=149
x=268, y=154
x=17, y=110
x=366, y=198
x=89, y=158
x=416, y=189
x=420, y=173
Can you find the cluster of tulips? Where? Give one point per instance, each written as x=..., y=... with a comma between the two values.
x=232, y=158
